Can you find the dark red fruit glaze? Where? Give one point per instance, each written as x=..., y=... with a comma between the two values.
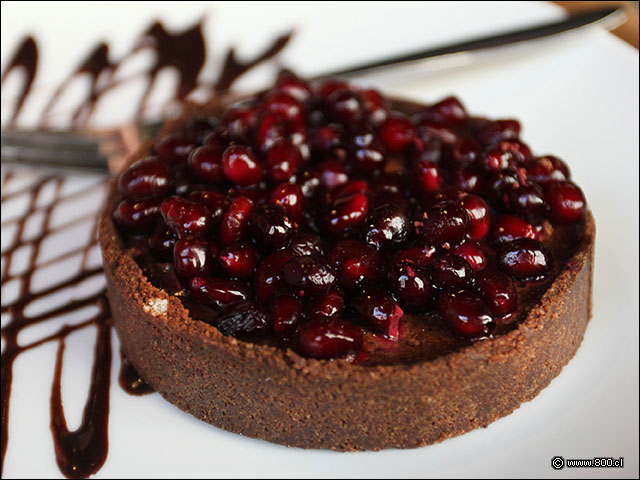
x=315, y=216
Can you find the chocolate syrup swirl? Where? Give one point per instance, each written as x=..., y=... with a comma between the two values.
x=25, y=57
x=185, y=52
x=82, y=452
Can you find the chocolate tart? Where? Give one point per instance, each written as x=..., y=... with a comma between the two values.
x=439, y=386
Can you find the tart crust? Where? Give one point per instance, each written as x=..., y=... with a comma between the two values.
x=276, y=395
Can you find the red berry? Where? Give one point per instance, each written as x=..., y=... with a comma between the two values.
x=566, y=202
x=240, y=165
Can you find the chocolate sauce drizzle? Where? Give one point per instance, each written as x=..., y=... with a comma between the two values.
x=184, y=51
x=82, y=452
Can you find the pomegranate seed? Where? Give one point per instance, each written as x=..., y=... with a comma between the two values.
x=396, y=133
x=507, y=228
x=243, y=319
x=330, y=304
x=149, y=177
x=497, y=291
x=290, y=197
x=566, y=202
x=216, y=292
x=525, y=259
x=293, y=86
x=161, y=243
x=379, y=313
x=137, y=216
x=206, y=163
x=240, y=166
x=271, y=226
x=420, y=256
x=465, y=313
x=496, y=131
x=451, y=271
x=309, y=275
x=468, y=179
x=238, y=260
x=346, y=106
x=191, y=257
x=346, y=213
x=186, y=217
x=268, y=279
x=547, y=169
x=282, y=162
x=473, y=253
x=478, y=214
x=286, y=311
x=387, y=225
x=356, y=263
x=412, y=285
x=214, y=201
x=306, y=244
x=444, y=224
x=527, y=201
x=328, y=338
x=174, y=148
x=236, y=220
x=448, y=111
x=239, y=122
x=428, y=177
x=283, y=105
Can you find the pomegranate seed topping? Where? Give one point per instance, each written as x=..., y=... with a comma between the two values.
x=217, y=292
x=387, y=225
x=428, y=176
x=286, y=311
x=469, y=180
x=525, y=259
x=241, y=166
x=214, y=201
x=379, y=313
x=356, y=263
x=396, y=133
x=451, y=271
x=271, y=226
x=507, y=228
x=331, y=174
x=282, y=162
x=268, y=279
x=330, y=304
x=206, y=163
x=283, y=105
x=465, y=313
x=239, y=122
x=444, y=224
x=347, y=212
x=137, y=216
x=293, y=86
x=547, y=169
x=566, y=202
x=174, y=148
x=448, y=112
x=191, y=257
x=473, y=253
x=238, y=260
x=527, y=201
x=412, y=286
x=328, y=338
x=236, y=220
x=478, y=214
x=346, y=106
x=306, y=244
x=244, y=319
x=420, y=256
x=497, y=291
x=186, y=217
x=309, y=275
x=149, y=177
x=161, y=243
x=290, y=197
x=494, y=132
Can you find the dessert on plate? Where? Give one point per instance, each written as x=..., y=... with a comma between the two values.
x=323, y=267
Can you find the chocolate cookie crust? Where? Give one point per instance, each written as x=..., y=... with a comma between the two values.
x=279, y=396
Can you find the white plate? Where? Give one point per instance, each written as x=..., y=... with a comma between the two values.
x=577, y=98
